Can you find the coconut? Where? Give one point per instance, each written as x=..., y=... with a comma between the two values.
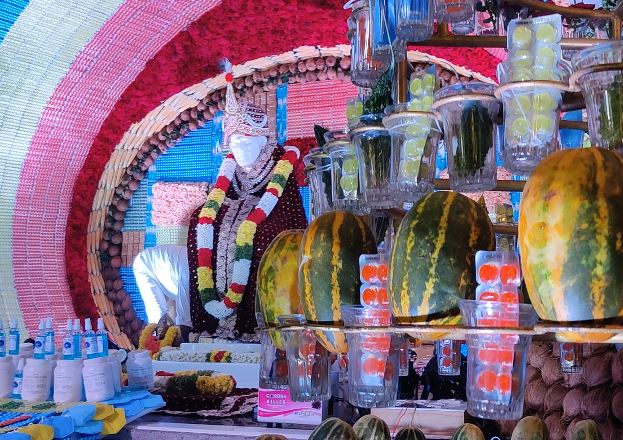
x=572, y=402
x=538, y=354
x=535, y=394
x=573, y=380
x=551, y=371
x=591, y=350
x=609, y=430
x=616, y=406
x=555, y=426
x=532, y=373
x=554, y=397
x=126, y=304
x=597, y=369
x=617, y=368
x=596, y=403
x=571, y=427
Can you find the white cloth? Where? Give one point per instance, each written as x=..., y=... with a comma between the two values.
x=162, y=273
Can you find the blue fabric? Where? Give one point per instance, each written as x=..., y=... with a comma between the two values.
x=14, y=436
x=132, y=408
x=63, y=426
x=153, y=401
x=9, y=11
x=81, y=414
x=92, y=427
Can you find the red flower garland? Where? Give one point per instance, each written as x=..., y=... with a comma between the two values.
x=237, y=29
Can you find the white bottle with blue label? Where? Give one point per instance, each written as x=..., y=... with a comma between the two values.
x=2, y=341
x=39, y=351
x=68, y=341
x=90, y=341
x=50, y=342
x=14, y=338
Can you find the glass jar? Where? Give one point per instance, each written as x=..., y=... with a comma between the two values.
x=469, y=113
x=414, y=21
x=373, y=145
x=318, y=169
x=344, y=172
x=603, y=93
x=367, y=63
x=415, y=136
x=450, y=11
x=273, y=365
x=386, y=42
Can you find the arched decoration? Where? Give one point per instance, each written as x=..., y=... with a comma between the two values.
x=162, y=128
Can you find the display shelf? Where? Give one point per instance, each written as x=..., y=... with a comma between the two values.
x=541, y=331
x=246, y=374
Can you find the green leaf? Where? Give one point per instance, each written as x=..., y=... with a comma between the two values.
x=381, y=95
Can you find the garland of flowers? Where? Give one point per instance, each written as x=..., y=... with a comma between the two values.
x=244, y=236
x=148, y=341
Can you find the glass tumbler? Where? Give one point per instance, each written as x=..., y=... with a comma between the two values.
x=308, y=362
x=415, y=19
x=344, y=172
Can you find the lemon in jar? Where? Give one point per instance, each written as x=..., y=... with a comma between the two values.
x=543, y=124
x=544, y=102
x=522, y=35
x=519, y=104
x=348, y=183
x=546, y=33
x=415, y=86
x=410, y=168
x=349, y=166
x=519, y=128
x=414, y=147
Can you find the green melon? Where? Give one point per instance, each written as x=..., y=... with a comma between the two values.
x=277, y=280
x=530, y=428
x=329, y=270
x=432, y=265
x=586, y=430
x=410, y=433
x=370, y=427
x=333, y=429
x=467, y=431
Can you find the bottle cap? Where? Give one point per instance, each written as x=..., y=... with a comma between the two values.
x=48, y=324
x=14, y=323
x=76, y=324
x=42, y=324
x=100, y=324
x=87, y=324
x=69, y=324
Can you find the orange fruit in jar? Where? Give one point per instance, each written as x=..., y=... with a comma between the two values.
x=369, y=296
x=369, y=272
x=509, y=297
x=509, y=273
x=487, y=380
x=488, y=295
x=505, y=383
x=382, y=272
x=488, y=273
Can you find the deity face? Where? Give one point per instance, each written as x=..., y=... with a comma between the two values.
x=246, y=149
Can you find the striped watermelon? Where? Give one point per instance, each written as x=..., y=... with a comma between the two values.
x=271, y=437
x=467, y=431
x=277, y=280
x=411, y=433
x=329, y=270
x=530, y=428
x=571, y=235
x=370, y=427
x=333, y=429
x=432, y=261
x=586, y=430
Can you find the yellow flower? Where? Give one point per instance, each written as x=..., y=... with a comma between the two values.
x=205, y=277
x=145, y=334
x=218, y=195
x=234, y=297
x=169, y=337
x=246, y=232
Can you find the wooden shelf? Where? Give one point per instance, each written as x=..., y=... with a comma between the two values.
x=501, y=185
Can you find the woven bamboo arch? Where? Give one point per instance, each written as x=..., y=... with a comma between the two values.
x=162, y=128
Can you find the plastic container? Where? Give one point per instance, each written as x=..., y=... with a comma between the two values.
x=115, y=358
x=318, y=169
x=571, y=357
x=273, y=365
x=374, y=153
x=3, y=341
x=140, y=370
x=494, y=313
x=98, y=382
x=448, y=357
x=415, y=136
x=309, y=366
x=450, y=11
x=18, y=379
x=68, y=341
x=7, y=372
x=374, y=358
x=68, y=380
x=603, y=93
x=26, y=350
x=37, y=380
x=14, y=338
x=415, y=19
x=39, y=352
x=496, y=267
x=469, y=113
x=345, y=193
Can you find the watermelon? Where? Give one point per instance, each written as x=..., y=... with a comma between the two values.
x=530, y=428
x=277, y=280
x=329, y=270
x=411, y=433
x=586, y=430
x=271, y=437
x=571, y=236
x=370, y=427
x=333, y=429
x=467, y=431
x=432, y=264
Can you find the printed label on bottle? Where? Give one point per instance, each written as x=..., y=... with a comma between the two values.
x=36, y=386
x=17, y=386
x=100, y=344
x=90, y=345
x=66, y=389
x=140, y=376
x=39, y=345
x=49, y=344
x=2, y=345
x=97, y=382
x=68, y=347
x=13, y=343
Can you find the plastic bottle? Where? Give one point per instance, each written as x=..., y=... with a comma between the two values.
x=98, y=381
x=18, y=379
x=77, y=340
x=50, y=343
x=140, y=370
x=14, y=338
x=102, y=338
x=7, y=371
x=2, y=341
x=37, y=380
x=68, y=342
x=90, y=341
x=68, y=381
x=40, y=341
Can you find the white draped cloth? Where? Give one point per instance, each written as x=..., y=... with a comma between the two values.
x=162, y=277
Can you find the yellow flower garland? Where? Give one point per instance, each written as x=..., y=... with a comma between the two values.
x=145, y=334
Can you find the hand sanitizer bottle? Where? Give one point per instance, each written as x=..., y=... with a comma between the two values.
x=102, y=338
x=39, y=352
x=2, y=341
x=50, y=343
x=68, y=341
x=77, y=340
x=18, y=379
x=14, y=338
x=90, y=341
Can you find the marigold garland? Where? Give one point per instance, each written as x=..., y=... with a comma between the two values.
x=244, y=236
x=146, y=335
x=148, y=341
